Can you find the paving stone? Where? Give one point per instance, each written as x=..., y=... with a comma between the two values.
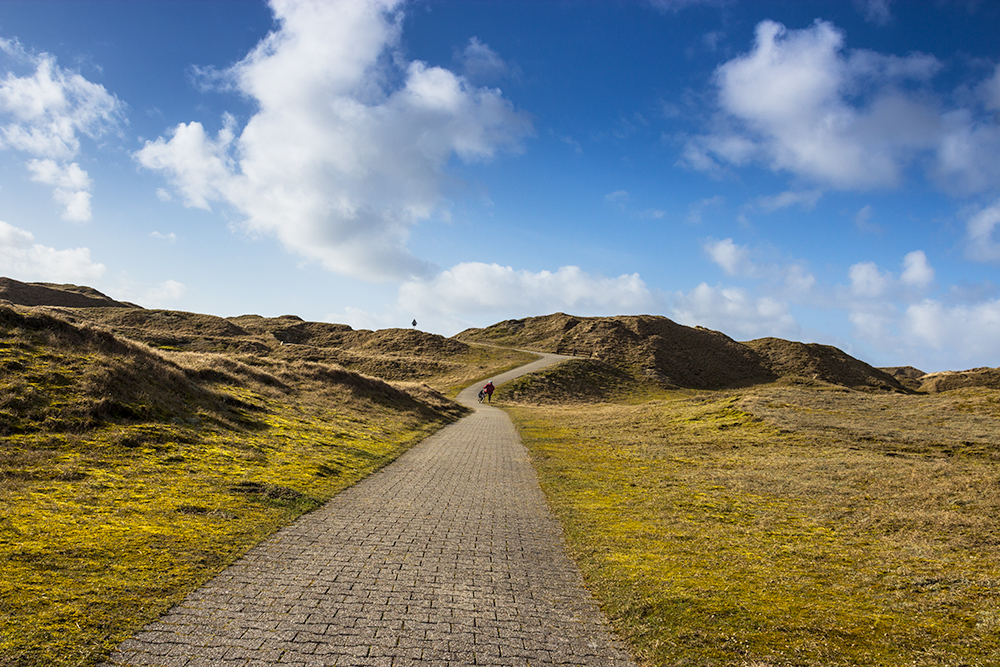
x=448, y=556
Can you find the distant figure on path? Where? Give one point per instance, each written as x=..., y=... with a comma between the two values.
x=414, y=323
x=489, y=391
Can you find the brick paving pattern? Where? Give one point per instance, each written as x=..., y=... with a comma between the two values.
x=448, y=556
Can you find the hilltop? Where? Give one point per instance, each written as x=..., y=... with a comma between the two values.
x=50, y=294
x=655, y=350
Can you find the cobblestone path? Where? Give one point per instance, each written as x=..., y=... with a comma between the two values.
x=449, y=556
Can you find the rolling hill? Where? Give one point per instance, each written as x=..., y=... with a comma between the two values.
x=658, y=350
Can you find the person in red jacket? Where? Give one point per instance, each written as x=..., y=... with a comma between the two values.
x=489, y=391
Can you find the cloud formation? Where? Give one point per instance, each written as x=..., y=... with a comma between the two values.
x=801, y=103
x=791, y=279
x=44, y=114
x=23, y=259
x=350, y=145
x=982, y=244
x=734, y=311
x=960, y=328
x=479, y=289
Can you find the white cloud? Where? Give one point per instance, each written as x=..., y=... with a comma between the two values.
x=967, y=155
x=917, y=271
x=867, y=280
x=163, y=295
x=982, y=244
x=350, y=144
x=480, y=62
x=791, y=279
x=805, y=198
x=357, y=318
x=970, y=332
x=733, y=259
x=734, y=311
x=800, y=102
x=71, y=186
x=172, y=237
x=478, y=289
x=44, y=114
x=23, y=259
x=199, y=167
x=875, y=11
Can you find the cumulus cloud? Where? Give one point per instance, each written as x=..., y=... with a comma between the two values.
x=71, y=186
x=23, y=259
x=792, y=279
x=44, y=114
x=982, y=244
x=895, y=315
x=917, y=271
x=164, y=294
x=479, y=289
x=734, y=311
x=350, y=144
x=733, y=259
x=868, y=281
x=971, y=331
x=800, y=102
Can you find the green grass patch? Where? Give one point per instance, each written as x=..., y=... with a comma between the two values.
x=783, y=526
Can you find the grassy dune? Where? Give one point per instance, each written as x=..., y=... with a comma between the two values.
x=828, y=517
x=781, y=525
x=129, y=475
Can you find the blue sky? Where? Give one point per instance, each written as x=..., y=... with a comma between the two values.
x=818, y=171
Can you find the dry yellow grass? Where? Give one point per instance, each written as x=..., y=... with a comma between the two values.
x=782, y=525
x=130, y=475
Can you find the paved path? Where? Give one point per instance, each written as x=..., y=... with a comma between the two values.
x=449, y=556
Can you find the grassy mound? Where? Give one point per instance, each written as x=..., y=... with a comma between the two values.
x=645, y=347
x=130, y=475
x=404, y=355
x=675, y=356
x=908, y=376
x=573, y=381
x=798, y=362
x=48, y=294
x=950, y=380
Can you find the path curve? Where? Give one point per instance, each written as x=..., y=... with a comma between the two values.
x=448, y=556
